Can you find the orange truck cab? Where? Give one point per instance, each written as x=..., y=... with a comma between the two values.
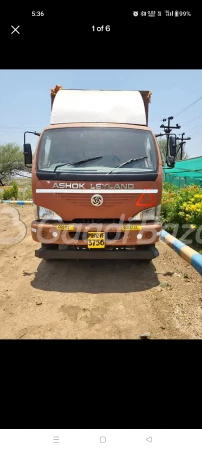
x=96, y=177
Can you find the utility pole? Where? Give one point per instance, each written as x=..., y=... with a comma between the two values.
x=168, y=128
x=182, y=140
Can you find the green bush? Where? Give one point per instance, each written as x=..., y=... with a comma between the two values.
x=169, y=187
x=14, y=190
x=183, y=206
x=7, y=194
x=11, y=193
x=15, y=194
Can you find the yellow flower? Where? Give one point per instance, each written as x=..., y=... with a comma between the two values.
x=193, y=207
x=193, y=227
x=198, y=196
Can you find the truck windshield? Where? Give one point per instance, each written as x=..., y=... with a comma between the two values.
x=62, y=148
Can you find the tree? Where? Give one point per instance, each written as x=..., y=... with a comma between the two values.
x=163, y=149
x=11, y=161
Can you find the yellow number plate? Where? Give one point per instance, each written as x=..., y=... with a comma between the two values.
x=65, y=227
x=131, y=227
x=96, y=240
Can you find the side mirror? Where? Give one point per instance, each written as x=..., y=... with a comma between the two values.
x=27, y=154
x=170, y=161
x=172, y=147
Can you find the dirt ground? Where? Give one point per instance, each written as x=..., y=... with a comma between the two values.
x=93, y=299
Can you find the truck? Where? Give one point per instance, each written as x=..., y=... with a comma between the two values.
x=97, y=177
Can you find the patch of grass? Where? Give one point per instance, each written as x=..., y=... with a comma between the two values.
x=25, y=195
x=15, y=193
x=164, y=284
x=23, y=182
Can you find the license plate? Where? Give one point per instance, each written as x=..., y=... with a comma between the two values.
x=96, y=240
x=131, y=227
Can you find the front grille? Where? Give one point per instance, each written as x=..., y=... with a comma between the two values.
x=84, y=200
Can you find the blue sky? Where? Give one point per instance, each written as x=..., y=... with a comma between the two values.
x=25, y=98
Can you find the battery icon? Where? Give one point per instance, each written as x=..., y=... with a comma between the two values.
x=176, y=13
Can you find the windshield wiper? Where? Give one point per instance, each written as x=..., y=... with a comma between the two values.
x=77, y=163
x=82, y=161
x=127, y=162
x=61, y=165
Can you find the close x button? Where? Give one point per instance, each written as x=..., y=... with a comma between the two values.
x=15, y=29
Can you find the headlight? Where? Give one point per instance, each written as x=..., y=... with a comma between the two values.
x=47, y=214
x=148, y=214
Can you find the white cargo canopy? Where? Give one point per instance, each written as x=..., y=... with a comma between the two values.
x=72, y=106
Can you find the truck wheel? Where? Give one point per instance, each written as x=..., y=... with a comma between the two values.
x=50, y=246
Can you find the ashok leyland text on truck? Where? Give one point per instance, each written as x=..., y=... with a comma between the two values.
x=97, y=177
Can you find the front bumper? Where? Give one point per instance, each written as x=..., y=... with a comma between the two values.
x=118, y=235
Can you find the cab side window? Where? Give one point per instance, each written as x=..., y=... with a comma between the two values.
x=149, y=152
x=44, y=152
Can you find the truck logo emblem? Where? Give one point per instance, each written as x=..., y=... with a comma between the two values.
x=97, y=200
